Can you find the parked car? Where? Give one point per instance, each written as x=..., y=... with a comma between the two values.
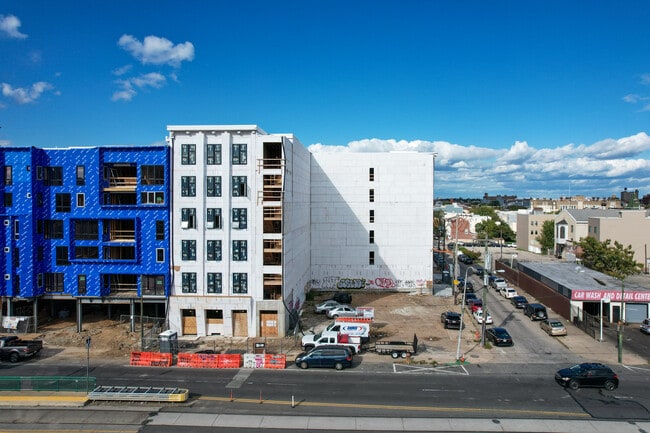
x=645, y=326
x=553, y=327
x=342, y=298
x=325, y=306
x=479, y=271
x=470, y=297
x=499, y=336
x=476, y=304
x=461, y=285
x=342, y=311
x=478, y=315
x=338, y=357
x=519, y=301
x=508, y=292
x=587, y=374
x=498, y=282
x=535, y=311
x=14, y=349
x=450, y=320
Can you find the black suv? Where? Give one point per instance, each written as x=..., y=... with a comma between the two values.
x=450, y=319
x=591, y=374
x=342, y=298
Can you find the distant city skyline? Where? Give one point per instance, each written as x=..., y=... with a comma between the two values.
x=534, y=99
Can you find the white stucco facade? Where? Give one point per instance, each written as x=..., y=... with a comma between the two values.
x=371, y=220
x=240, y=230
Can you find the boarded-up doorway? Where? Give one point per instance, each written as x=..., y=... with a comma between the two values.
x=189, y=322
x=239, y=323
x=268, y=323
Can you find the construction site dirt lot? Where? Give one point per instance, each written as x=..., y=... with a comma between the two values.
x=398, y=316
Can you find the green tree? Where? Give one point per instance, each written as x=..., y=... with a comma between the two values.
x=614, y=260
x=494, y=230
x=546, y=238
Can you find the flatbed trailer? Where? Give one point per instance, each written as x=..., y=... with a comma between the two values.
x=395, y=348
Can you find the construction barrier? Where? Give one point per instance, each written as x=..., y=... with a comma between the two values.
x=229, y=361
x=275, y=361
x=254, y=360
x=355, y=319
x=151, y=359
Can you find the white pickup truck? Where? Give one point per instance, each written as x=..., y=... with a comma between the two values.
x=330, y=338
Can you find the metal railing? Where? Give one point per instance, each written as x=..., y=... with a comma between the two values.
x=47, y=383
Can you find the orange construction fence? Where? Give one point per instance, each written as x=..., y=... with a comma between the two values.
x=151, y=359
x=275, y=361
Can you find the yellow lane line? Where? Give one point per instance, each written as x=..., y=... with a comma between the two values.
x=395, y=407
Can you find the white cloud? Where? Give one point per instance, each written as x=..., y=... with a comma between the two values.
x=157, y=51
x=129, y=87
x=9, y=25
x=469, y=171
x=645, y=79
x=122, y=70
x=24, y=95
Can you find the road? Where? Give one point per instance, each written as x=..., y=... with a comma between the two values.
x=379, y=391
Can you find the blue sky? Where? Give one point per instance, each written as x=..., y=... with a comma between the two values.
x=533, y=98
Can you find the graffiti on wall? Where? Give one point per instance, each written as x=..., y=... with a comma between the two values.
x=360, y=283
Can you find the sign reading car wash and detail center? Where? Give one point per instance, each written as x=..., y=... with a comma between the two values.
x=612, y=295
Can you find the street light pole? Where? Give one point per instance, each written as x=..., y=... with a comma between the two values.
x=462, y=312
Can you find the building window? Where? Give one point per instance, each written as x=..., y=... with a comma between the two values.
x=239, y=283
x=9, y=177
x=8, y=199
x=239, y=220
x=188, y=218
x=152, y=198
x=85, y=229
x=371, y=196
x=63, y=202
x=54, y=282
x=371, y=174
x=239, y=251
x=15, y=257
x=213, y=154
x=188, y=186
x=213, y=218
x=215, y=282
x=188, y=250
x=371, y=237
x=16, y=229
x=39, y=199
x=39, y=280
x=371, y=217
x=160, y=255
x=81, y=175
x=188, y=282
x=153, y=175
x=52, y=229
x=86, y=252
x=53, y=176
x=371, y=257
x=213, y=186
x=160, y=230
x=213, y=251
x=40, y=254
x=239, y=154
x=152, y=285
x=81, y=284
x=239, y=186
x=62, y=256
x=188, y=154
x=81, y=199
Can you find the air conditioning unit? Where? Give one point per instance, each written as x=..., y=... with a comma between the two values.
x=185, y=224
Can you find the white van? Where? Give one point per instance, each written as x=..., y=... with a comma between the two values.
x=645, y=326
